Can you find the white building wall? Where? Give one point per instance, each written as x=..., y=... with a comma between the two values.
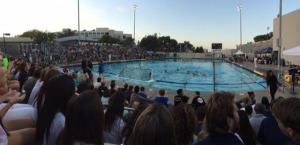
x=290, y=33
x=98, y=33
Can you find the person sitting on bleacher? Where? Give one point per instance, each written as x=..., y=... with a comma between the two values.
x=221, y=124
x=51, y=117
x=154, y=126
x=114, y=122
x=84, y=120
x=287, y=114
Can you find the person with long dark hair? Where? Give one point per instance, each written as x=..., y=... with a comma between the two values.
x=273, y=83
x=40, y=96
x=114, y=122
x=84, y=120
x=246, y=131
x=265, y=101
x=155, y=126
x=131, y=122
x=185, y=124
x=221, y=120
x=51, y=118
x=23, y=75
x=84, y=86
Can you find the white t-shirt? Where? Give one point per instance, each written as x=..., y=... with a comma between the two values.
x=105, y=100
x=57, y=125
x=3, y=136
x=34, y=93
x=20, y=111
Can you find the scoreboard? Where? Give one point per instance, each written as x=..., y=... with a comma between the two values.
x=216, y=45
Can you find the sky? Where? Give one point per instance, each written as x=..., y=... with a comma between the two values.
x=201, y=22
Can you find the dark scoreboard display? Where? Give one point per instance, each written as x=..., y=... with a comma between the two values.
x=216, y=45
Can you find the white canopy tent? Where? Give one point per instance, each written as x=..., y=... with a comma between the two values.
x=292, y=55
x=293, y=51
x=239, y=52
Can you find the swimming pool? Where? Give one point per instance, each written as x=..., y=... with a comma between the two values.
x=187, y=74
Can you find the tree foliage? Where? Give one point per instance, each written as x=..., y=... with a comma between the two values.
x=150, y=43
x=128, y=42
x=107, y=39
x=167, y=44
x=39, y=36
x=186, y=46
x=66, y=32
x=199, y=50
x=164, y=44
x=263, y=37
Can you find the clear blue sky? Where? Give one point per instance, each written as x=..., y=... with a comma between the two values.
x=198, y=21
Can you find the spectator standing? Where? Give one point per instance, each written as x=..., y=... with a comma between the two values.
x=162, y=99
x=197, y=101
x=142, y=93
x=272, y=83
x=180, y=98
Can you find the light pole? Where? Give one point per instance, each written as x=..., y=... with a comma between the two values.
x=4, y=44
x=134, y=12
x=239, y=8
x=280, y=39
x=78, y=23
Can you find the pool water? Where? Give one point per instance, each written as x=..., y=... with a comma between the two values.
x=190, y=74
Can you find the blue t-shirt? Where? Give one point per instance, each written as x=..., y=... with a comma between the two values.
x=161, y=100
x=142, y=94
x=221, y=139
x=270, y=134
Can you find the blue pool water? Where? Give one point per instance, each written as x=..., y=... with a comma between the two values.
x=191, y=74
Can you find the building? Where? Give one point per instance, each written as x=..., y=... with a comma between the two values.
x=98, y=33
x=228, y=52
x=92, y=37
x=14, y=45
x=290, y=34
x=252, y=48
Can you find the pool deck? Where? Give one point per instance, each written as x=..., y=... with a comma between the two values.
x=284, y=92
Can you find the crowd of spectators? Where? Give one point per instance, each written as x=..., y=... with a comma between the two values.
x=71, y=54
x=45, y=106
x=264, y=60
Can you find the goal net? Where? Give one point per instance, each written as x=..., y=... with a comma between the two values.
x=136, y=73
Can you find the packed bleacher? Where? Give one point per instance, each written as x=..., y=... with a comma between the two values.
x=70, y=54
x=50, y=106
